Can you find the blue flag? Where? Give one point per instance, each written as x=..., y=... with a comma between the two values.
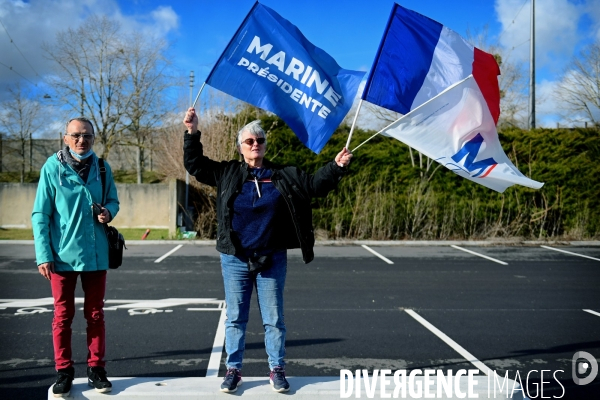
x=270, y=64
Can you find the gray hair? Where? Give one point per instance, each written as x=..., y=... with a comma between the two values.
x=80, y=119
x=252, y=128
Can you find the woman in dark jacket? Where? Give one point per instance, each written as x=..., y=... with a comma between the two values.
x=263, y=209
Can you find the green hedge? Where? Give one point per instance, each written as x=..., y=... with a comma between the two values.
x=385, y=197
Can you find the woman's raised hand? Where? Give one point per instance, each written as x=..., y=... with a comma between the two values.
x=191, y=120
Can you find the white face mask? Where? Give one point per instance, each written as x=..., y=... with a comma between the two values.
x=81, y=156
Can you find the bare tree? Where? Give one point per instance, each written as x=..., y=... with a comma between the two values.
x=513, y=93
x=580, y=88
x=148, y=72
x=90, y=75
x=220, y=118
x=20, y=118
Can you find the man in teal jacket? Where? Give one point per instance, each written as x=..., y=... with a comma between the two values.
x=70, y=241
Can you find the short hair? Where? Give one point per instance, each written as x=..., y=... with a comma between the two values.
x=80, y=119
x=252, y=128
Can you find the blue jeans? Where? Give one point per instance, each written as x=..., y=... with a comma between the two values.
x=239, y=282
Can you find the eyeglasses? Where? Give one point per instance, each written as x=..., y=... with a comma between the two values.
x=250, y=142
x=77, y=136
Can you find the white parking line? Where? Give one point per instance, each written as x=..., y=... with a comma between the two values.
x=377, y=254
x=568, y=252
x=212, y=371
x=168, y=254
x=593, y=312
x=480, y=255
x=459, y=349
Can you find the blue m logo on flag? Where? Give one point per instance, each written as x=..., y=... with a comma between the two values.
x=470, y=150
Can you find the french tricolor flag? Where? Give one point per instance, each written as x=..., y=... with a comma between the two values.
x=448, y=92
x=418, y=58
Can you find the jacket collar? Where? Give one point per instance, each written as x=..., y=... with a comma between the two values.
x=266, y=164
x=69, y=173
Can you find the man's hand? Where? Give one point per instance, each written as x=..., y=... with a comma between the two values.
x=104, y=217
x=46, y=269
x=343, y=158
x=191, y=120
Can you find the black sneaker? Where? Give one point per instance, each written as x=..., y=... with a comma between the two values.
x=278, y=381
x=97, y=379
x=64, y=381
x=233, y=379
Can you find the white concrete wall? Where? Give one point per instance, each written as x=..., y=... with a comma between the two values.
x=142, y=206
x=16, y=203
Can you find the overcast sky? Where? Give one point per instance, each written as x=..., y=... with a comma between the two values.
x=349, y=30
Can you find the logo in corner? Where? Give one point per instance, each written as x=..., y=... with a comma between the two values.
x=584, y=363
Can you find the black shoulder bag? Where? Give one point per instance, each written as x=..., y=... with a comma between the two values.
x=116, y=242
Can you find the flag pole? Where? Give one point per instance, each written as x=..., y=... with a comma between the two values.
x=370, y=77
x=378, y=133
x=353, y=123
x=195, y=101
x=187, y=174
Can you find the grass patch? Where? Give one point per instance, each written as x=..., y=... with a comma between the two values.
x=16, y=234
x=128, y=234
x=137, y=233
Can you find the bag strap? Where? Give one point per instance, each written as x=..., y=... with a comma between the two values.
x=103, y=178
x=102, y=169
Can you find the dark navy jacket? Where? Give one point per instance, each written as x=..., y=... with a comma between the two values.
x=295, y=186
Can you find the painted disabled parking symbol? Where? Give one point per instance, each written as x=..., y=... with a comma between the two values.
x=29, y=306
x=32, y=310
x=146, y=311
x=133, y=307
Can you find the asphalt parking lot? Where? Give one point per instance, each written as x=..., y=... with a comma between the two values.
x=515, y=309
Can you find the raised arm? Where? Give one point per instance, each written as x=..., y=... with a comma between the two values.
x=196, y=163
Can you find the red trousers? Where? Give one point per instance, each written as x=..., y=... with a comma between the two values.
x=63, y=291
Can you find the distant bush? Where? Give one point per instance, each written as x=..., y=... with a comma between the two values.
x=386, y=197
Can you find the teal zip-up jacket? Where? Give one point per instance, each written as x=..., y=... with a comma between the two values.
x=65, y=229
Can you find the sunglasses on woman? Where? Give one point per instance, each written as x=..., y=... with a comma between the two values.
x=250, y=142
